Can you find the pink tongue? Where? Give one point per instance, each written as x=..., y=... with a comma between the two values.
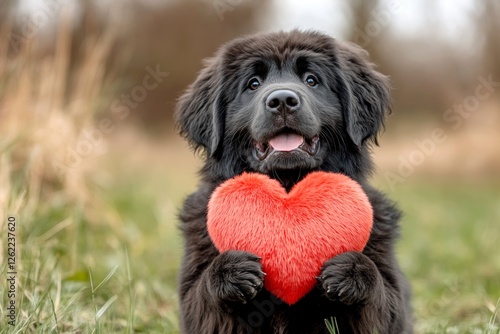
x=286, y=142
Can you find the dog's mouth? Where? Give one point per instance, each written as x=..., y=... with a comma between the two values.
x=286, y=141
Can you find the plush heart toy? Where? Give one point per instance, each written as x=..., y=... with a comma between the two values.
x=294, y=233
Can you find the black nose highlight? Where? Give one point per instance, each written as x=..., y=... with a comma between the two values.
x=283, y=99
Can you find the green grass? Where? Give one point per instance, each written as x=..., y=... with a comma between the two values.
x=450, y=252
x=110, y=266
x=332, y=326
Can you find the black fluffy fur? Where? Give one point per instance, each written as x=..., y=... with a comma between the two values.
x=218, y=115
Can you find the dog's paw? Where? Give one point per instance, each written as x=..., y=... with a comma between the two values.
x=236, y=276
x=351, y=278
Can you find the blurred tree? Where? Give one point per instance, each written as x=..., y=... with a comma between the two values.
x=487, y=31
x=176, y=37
x=429, y=71
x=367, y=28
x=6, y=7
x=173, y=36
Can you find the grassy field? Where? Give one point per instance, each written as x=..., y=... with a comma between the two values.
x=449, y=251
x=109, y=265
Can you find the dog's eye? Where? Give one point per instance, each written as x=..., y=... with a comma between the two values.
x=253, y=84
x=311, y=80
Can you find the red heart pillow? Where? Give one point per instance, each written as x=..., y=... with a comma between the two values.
x=294, y=233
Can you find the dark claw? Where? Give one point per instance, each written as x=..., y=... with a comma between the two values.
x=242, y=298
x=350, y=278
x=236, y=277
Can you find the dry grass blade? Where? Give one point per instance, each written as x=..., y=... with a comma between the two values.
x=105, y=280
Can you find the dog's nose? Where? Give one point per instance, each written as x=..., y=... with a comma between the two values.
x=283, y=100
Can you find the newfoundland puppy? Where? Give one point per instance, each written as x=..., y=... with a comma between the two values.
x=286, y=104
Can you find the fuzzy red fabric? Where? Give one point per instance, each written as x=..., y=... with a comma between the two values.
x=294, y=233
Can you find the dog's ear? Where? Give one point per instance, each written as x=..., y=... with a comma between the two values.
x=200, y=113
x=364, y=94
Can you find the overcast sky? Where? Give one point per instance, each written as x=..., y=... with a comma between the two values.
x=331, y=16
x=411, y=16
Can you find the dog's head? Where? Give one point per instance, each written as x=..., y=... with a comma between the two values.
x=282, y=102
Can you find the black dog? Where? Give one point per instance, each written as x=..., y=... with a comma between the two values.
x=286, y=104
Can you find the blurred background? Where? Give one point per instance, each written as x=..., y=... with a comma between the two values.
x=93, y=170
